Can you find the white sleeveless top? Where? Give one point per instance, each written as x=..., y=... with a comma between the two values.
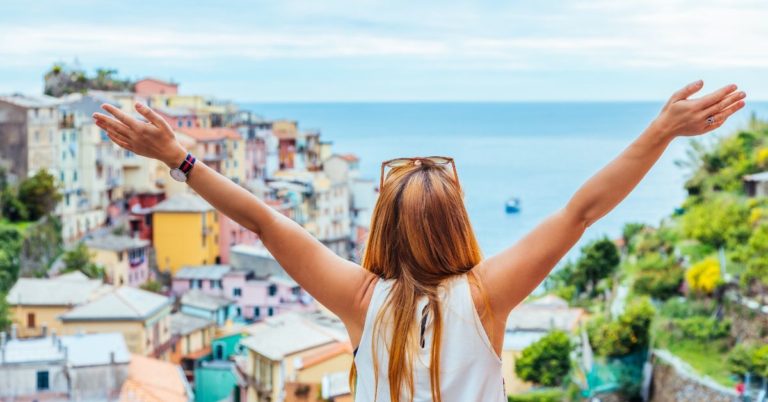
x=470, y=368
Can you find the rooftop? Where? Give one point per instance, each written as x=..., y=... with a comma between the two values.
x=202, y=272
x=184, y=324
x=165, y=82
x=174, y=111
x=762, y=176
x=183, y=203
x=116, y=243
x=199, y=299
x=66, y=290
x=122, y=304
x=28, y=101
x=81, y=350
x=544, y=315
x=281, y=336
x=152, y=380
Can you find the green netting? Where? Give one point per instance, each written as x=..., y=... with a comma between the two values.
x=611, y=374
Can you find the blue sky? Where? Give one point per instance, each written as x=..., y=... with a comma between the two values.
x=397, y=50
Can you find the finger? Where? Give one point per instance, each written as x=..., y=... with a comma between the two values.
x=105, y=127
x=120, y=115
x=118, y=140
x=151, y=115
x=725, y=103
x=687, y=91
x=112, y=124
x=721, y=117
x=715, y=97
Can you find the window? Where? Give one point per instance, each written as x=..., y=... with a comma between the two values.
x=180, y=123
x=42, y=381
x=239, y=312
x=272, y=289
x=30, y=320
x=237, y=292
x=256, y=312
x=270, y=311
x=120, y=256
x=189, y=123
x=199, y=283
x=216, y=284
x=218, y=351
x=74, y=176
x=66, y=199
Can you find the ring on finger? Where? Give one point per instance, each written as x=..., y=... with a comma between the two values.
x=710, y=120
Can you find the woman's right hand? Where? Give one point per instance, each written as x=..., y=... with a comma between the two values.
x=153, y=139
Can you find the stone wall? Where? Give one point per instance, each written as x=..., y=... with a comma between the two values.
x=675, y=381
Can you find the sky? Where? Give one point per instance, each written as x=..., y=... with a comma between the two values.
x=396, y=50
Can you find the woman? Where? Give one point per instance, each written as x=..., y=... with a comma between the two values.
x=427, y=312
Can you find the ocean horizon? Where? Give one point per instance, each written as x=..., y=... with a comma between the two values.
x=540, y=152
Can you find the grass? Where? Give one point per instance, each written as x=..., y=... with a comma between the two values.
x=706, y=358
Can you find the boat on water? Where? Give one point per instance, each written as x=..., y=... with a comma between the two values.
x=512, y=206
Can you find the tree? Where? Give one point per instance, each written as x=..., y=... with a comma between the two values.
x=598, y=260
x=10, y=247
x=719, y=222
x=79, y=259
x=40, y=194
x=704, y=276
x=625, y=335
x=629, y=232
x=5, y=313
x=546, y=361
x=657, y=276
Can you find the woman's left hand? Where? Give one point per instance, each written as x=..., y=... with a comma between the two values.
x=682, y=116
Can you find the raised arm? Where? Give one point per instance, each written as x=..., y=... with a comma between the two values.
x=514, y=273
x=335, y=282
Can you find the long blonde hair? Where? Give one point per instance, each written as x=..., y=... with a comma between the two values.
x=420, y=236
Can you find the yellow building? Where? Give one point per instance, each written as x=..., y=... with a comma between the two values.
x=142, y=317
x=290, y=350
x=37, y=303
x=124, y=259
x=192, y=338
x=185, y=231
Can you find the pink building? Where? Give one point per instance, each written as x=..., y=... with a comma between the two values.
x=255, y=298
x=153, y=86
x=230, y=234
x=178, y=118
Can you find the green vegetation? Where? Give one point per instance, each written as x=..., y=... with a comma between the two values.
x=152, y=286
x=546, y=361
x=79, y=259
x=598, y=260
x=39, y=194
x=629, y=333
x=63, y=80
x=543, y=395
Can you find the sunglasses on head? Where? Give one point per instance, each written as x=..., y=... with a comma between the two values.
x=400, y=162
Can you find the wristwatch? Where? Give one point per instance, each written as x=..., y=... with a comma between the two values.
x=181, y=173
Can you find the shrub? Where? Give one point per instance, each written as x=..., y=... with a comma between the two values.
x=625, y=335
x=546, y=361
x=702, y=328
x=544, y=395
x=659, y=277
x=704, y=276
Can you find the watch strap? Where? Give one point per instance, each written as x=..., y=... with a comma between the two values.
x=187, y=164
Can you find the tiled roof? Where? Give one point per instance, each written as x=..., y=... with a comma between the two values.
x=324, y=353
x=152, y=380
x=199, y=299
x=116, y=243
x=122, y=304
x=211, y=134
x=202, y=272
x=183, y=203
x=66, y=290
x=183, y=324
x=159, y=80
x=286, y=334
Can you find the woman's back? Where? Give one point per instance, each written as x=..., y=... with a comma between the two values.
x=470, y=369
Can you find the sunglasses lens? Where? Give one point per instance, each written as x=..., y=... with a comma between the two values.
x=439, y=160
x=399, y=162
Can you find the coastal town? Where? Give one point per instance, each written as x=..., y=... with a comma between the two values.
x=120, y=283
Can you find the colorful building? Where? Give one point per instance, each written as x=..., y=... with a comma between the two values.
x=286, y=132
x=192, y=338
x=185, y=231
x=142, y=317
x=124, y=259
x=153, y=86
x=84, y=367
x=223, y=149
x=217, y=309
x=290, y=354
x=37, y=303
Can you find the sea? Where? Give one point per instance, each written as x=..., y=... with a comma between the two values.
x=539, y=152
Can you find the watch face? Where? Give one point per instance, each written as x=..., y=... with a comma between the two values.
x=178, y=175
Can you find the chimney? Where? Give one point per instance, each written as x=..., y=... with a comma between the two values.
x=14, y=330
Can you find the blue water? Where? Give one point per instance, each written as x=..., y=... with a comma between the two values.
x=540, y=152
